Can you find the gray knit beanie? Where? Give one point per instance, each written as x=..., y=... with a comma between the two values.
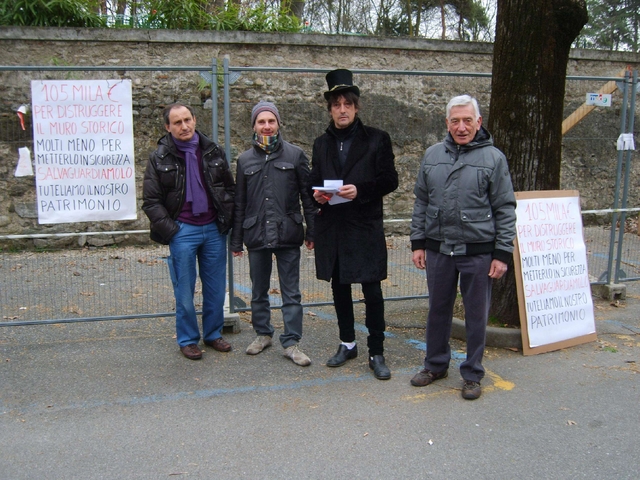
x=263, y=106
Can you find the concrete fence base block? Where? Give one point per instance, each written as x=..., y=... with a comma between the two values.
x=232, y=322
x=611, y=291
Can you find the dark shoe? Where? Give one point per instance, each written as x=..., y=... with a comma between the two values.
x=192, y=352
x=341, y=357
x=219, y=344
x=380, y=370
x=425, y=377
x=471, y=390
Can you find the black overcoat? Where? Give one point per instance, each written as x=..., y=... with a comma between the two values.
x=353, y=231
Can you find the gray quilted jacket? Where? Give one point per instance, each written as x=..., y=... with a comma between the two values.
x=464, y=203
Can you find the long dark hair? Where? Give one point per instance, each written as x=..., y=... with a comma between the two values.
x=348, y=96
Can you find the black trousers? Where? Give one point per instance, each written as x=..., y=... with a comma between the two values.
x=374, y=312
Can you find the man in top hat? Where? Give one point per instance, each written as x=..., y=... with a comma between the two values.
x=271, y=184
x=350, y=244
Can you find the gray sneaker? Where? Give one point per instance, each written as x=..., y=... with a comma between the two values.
x=299, y=358
x=259, y=344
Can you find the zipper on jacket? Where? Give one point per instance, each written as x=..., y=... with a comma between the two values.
x=219, y=211
x=341, y=143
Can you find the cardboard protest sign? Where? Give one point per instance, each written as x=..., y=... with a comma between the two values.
x=550, y=260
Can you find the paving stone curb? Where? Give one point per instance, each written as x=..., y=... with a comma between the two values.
x=496, y=336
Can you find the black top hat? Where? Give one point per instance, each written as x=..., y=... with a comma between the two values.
x=340, y=80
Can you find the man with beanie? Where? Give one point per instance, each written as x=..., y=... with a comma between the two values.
x=350, y=244
x=188, y=196
x=271, y=181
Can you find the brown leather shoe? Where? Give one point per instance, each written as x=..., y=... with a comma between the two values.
x=425, y=377
x=471, y=390
x=219, y=344
x=192, y=352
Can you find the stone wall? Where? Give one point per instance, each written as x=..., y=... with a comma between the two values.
x=409, y=106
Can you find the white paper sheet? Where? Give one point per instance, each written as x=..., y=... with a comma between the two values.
x=333, y=187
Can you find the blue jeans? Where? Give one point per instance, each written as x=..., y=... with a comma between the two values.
x=208, y=246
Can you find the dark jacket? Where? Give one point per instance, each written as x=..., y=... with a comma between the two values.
x=269, y=190
x=464, y=203
x=353, y=231
x=164, y=187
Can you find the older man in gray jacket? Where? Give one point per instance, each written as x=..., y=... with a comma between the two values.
x=271, y=186
x=462, y=228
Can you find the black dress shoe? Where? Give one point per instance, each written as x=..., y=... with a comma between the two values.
x=341, y=357
x=380, y=370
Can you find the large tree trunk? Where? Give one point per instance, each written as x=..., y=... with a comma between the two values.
x=531, y=52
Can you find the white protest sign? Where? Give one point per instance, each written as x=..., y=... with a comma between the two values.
x=83, y=149
x=553, y=279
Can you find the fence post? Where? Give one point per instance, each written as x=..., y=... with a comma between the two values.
x=214, y=100
x=616, y=193
x=627, y=172
x=227, y=149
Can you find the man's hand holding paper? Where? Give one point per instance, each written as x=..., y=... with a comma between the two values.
x=334, y=192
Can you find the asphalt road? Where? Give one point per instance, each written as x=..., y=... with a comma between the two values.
x=117, y=400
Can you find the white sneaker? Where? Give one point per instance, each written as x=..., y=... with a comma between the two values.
x=259, y=344
x=299, y=358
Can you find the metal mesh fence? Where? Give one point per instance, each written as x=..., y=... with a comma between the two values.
x=85, y=283
x=410, y=107
x=132, y=282
x=404, y=281
x=128, y=282
x=591, y=158
x=62, y=278
x=589, y=148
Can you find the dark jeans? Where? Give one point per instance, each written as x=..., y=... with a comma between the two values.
x=443, y=272
x=288, y=263
x=374, y=312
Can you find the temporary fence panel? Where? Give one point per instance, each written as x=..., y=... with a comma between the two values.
x=592, y=157
x=70, y=276
x=88, y=271
x=411, y=107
